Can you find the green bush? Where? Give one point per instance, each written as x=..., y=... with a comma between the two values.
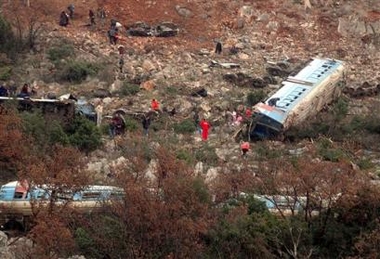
x=206, y=154
x=44, y=133
x=7, y=39
x=5, y=73
x=56, y=54
x=255, y=97
x=186, y=156
x=84, y=134
x=131, y=125
x=185, y=126
x=129, y=89
x=365, y=163
x=77, y=71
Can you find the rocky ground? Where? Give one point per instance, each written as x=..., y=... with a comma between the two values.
x=254, y=34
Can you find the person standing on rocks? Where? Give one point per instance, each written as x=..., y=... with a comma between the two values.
x=218, y=48
x=121, y=64
x=91, y=15
x=146, y=123
x=205, y=128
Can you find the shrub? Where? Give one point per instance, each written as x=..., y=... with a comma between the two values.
x=255, y=97
x=206, y=154
x=185, y=126
x=77, y=71
x=84, y=134
x=43, y=133
x=131, y=125
x=186, y=156
x=7, y=39
x=56, y=54
x=5, y=73
x=129, y=89
x=365, y=164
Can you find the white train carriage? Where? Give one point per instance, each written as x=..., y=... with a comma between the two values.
x=300, y=97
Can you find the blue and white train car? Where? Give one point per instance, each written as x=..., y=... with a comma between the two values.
x=300, y=97
x=17, y=199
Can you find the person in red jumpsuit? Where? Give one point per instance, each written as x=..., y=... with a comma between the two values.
x=155, y=105
x=205, y=127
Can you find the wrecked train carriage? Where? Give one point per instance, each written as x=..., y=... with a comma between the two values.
x=301, y=96
x=53, y=109
x=62, y=110
x=17, y=200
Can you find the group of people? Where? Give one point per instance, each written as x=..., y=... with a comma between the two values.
x=237, y=117
x=26, y=91
x=68, y=14
x=117, y=124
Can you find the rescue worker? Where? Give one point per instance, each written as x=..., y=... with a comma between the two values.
x=155, y=105
x=244, y=148
x=205, y=127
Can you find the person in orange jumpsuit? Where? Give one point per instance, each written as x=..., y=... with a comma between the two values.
x=205, y=127
x=155, y=105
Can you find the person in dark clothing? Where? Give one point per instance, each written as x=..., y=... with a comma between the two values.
x=218, y=48
x=146, y=123
x=112, y=34
x=71, y=9
x=3, y=91
x=273, y=101
x=91, y=15
x=121, y=64
x=101, y=15
x=64, y=19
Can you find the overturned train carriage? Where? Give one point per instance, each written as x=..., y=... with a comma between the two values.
x=17, y=199
x=52, y=109
x=300, y=97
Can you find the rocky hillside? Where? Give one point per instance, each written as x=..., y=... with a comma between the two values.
x=254, y=34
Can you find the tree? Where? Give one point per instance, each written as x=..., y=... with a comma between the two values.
x=159, y=217
x=11, y=135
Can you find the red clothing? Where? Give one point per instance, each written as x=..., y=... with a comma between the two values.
x=245, y=145
x=205, y=127
x=155, y=105
x=248, y=113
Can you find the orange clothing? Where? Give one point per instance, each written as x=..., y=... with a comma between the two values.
x=155, y=105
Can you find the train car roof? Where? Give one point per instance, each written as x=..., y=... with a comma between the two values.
x=10, y=184
x=294, y=88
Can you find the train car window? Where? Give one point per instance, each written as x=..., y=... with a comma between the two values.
x=91, y=195
x=116, y=195
x=19, y=195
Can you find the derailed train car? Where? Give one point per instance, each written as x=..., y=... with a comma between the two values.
x=17, y=199
x=300, y=97
x=63, y=109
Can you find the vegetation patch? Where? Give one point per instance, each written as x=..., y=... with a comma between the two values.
x=129, y=88
x=186, y=126
x=255, y=97
x=78, y=71
x=64, y=51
